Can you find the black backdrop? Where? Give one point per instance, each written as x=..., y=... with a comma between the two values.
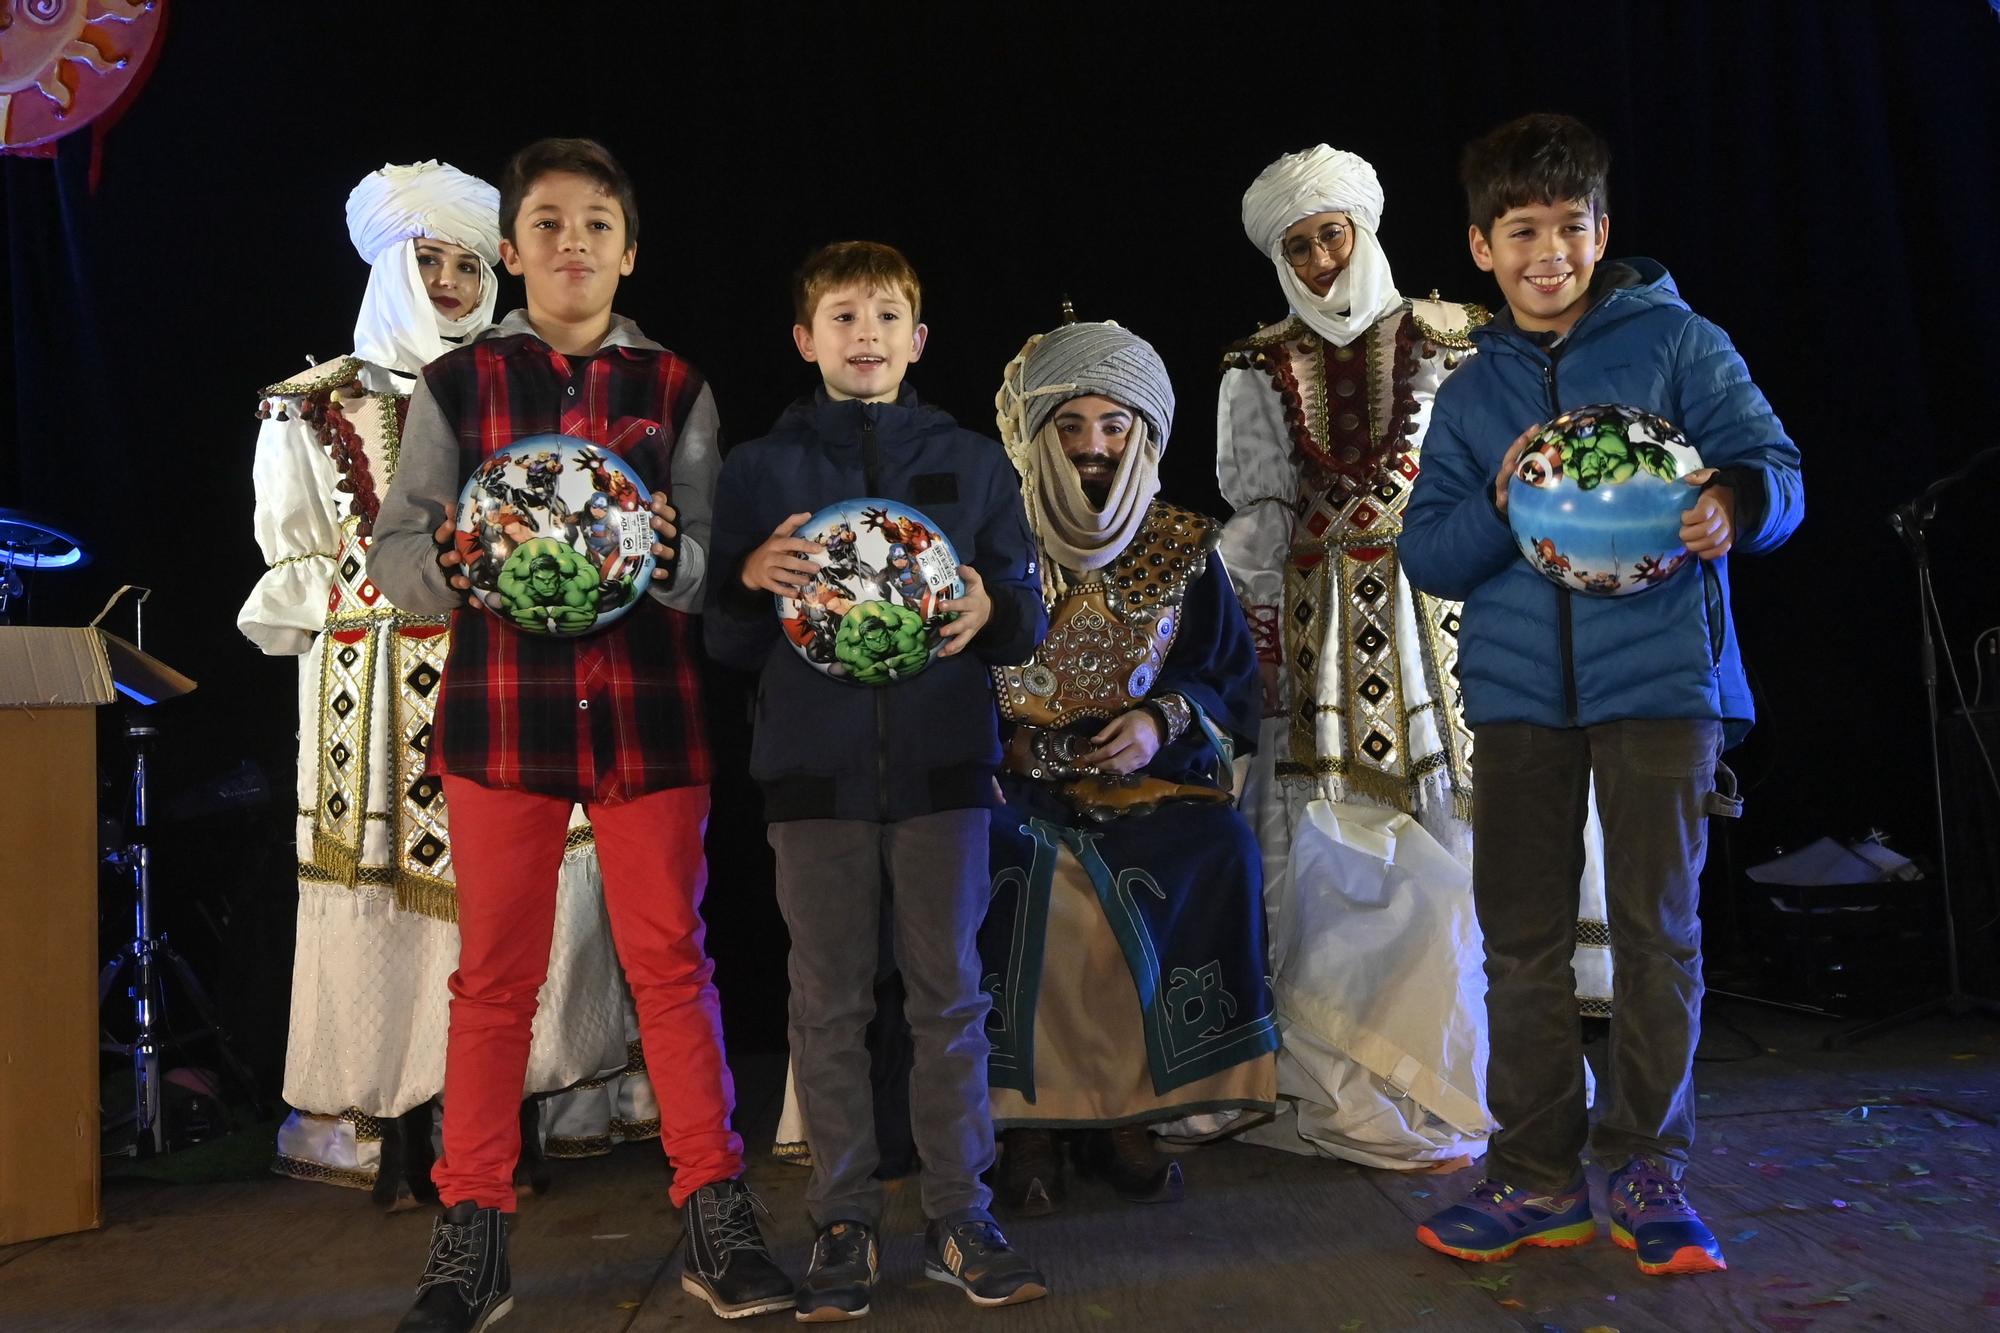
x=1818, y=177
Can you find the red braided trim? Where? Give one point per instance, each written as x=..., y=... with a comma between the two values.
x=1264, y=632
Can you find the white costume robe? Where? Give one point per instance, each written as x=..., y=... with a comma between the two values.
x=1360, y=790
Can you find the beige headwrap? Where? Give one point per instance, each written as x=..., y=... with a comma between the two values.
x=398, y=328
x=1070, y=362
x=1325, y=180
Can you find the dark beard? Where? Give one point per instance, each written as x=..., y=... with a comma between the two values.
x=1097, y=492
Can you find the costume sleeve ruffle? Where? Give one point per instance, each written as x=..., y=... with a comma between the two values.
x=297, y=525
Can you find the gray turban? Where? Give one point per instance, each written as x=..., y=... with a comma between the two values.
x=1102, y=359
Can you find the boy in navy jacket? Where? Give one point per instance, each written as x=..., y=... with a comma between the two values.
x=891, y=786
x=1641, y=691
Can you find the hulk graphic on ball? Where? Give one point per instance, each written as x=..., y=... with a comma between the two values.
x=880, y=641
x=548, y=585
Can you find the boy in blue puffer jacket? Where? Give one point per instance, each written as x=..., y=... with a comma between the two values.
x=894, y=785
x=1643, y=691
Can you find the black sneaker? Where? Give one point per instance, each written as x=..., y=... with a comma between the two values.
x=723, y=1259
x=975, y=1256
x=466, y=1284
x=1030, y=1177
x=844, y=1266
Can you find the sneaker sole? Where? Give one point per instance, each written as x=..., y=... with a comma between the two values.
x=1687, y=1259
x=1027, y=1291
x=829, y=1314
x=1560, y=1238
x=493, y=1316
x=694, y=1288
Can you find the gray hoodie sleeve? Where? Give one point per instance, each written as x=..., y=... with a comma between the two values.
x=697, y=463
x=402, y=557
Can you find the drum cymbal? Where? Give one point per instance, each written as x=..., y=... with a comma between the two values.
x=32, y=542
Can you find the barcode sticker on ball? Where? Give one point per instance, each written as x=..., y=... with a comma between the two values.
x=635, y=534
x=935, y=564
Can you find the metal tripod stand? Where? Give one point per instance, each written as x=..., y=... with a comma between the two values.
x=144, y=964
x=1910, y=521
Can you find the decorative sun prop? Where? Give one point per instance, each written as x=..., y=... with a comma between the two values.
x=47, y=50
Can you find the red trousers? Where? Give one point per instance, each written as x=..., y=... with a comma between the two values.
x=508, y=846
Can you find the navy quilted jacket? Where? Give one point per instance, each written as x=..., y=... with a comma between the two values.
x=1530, y=652
x=827, y=749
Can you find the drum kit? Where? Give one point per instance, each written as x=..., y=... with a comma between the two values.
x=31, y=547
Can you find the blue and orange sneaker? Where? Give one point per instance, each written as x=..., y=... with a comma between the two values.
x=1650, y=1214
x=1496, y=1219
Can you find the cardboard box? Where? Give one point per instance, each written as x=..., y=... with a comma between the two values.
x=51, y=681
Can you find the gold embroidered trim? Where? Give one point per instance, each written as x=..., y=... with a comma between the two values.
x=299, y=559
x=298, y=1168
x=367, y=1128
x=635, y=1057
x=1458, y=339
x=316, y=379
x=1241, y=355
x=792, y=1152
x=392, y=408
x=636, y=1129
x=565, y=1147
x=384, y=616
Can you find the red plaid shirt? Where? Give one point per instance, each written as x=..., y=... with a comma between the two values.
x=610, y=715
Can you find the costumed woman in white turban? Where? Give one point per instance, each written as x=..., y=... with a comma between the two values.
x=1361, y=787
x=377, y=934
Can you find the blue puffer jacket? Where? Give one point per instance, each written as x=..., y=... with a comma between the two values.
x=1530, y=652
x=826, y=749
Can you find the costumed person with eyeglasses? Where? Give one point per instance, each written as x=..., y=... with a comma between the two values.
x=1362, y=785
x=377, y=934
x=1124, y=947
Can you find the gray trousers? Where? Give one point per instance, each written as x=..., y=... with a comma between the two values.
x=831, y=874
x=1530, y=786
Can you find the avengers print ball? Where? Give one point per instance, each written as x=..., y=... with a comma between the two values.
x=556, y=535
x=872, y=613
x=1596, y=500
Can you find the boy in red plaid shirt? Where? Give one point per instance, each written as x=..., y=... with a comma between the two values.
x=527, y=726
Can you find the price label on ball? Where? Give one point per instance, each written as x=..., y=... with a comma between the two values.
x=635, y=534
x=938, y=566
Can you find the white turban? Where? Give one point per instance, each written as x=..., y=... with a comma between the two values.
x=398, y=328
x=1325, y=180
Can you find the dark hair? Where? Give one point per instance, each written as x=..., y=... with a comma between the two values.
x=1537, y=159
x=582, y=157
x=882, y=267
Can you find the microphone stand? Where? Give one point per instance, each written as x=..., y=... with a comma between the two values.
x=1911, y=521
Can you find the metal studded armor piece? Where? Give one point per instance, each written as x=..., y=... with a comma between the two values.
x=1108, y=638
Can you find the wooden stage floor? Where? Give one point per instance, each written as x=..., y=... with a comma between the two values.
x=1852, y=1189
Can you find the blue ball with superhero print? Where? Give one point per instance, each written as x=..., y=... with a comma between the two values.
x=873, y=611
x=556, y=535
x=1595, y=503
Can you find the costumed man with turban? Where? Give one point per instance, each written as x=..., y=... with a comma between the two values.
x=1124, y=947
x=1361, y=788
x=377, y=934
